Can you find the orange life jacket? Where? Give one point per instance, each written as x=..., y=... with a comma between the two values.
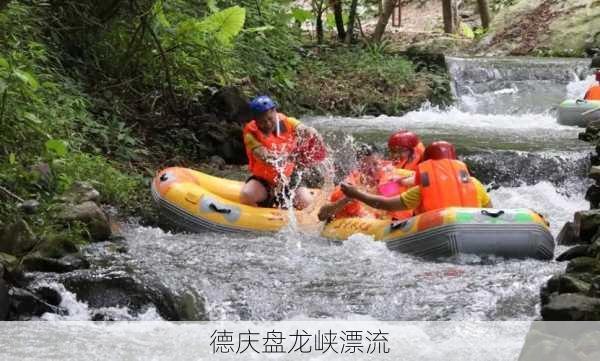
x=411, y=164
x=593, y=93
x=283, y=144
x=445, y=183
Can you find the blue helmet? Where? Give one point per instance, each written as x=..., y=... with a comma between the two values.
x=261, y=104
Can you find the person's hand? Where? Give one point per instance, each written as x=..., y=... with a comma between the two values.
x=407, y=181
x=349, y=190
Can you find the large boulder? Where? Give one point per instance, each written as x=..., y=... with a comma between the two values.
x=587, y=224
x=593, y=196
x=571, y=307
x=110, y=288
x=24, y=305
x=573, y=252
x=17, y=238
x=230, y=105
x=80, y=192
x=36, y=262
x=584, y=265
x=91, y=215
x=568, y=235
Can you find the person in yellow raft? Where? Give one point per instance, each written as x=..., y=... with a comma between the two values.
x=271, y=142
x=441, y=181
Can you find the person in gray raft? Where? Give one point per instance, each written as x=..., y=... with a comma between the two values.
x=442, y=181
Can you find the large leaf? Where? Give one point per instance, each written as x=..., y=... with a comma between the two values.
x=27, y=78
x=57, y=147
x=225, y=24
x=3, y=63
x=301, y=15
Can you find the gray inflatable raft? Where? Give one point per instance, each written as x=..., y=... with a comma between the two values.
x=570, y=112
x=509, y=233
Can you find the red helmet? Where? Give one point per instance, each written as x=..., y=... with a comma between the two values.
x=403, y=139
x=440, y=150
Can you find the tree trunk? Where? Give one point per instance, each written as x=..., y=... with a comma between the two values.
x=447, y=13
x=319, y=28
x=384, y=18
x=339, y=18
x=351, y=20
x=318, y=7
x=484, y=12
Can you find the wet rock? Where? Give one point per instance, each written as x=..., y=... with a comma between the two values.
x=80, y=192
x=573, y=252
x=565, y=283
x=594, y=172
x=37, y=263
x=24, y=305
x=89, y=213
x=586, y=224
x=593, y=249
x=567, y=235
x=30, y=206
x=583, y=265
x=115, y=288
x=56, y=247
x=3, y=296
x=48, y=295
x=571, y=307
x=595, y=287
x=17, y=238
x=593, y=196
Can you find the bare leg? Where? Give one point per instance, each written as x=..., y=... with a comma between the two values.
x=303, y=198
x=253, y=193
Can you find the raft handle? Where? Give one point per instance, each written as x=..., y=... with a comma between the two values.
x=213, y=207
x=497, y=214
x=580, y=101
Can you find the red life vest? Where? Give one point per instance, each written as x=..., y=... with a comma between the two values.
x=445, y=183
x=283, y=144
x=593, y=93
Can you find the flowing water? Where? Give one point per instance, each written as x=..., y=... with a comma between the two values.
x=503, y=126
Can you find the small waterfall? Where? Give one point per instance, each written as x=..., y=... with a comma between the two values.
x=513, y=85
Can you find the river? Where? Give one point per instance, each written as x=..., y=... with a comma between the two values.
x=504, y=127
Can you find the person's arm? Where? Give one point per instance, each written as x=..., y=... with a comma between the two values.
x=384, y=203
x=259, y=150
x=330, y=209
x=482, y=195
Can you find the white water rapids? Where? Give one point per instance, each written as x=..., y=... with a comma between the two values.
x=503, y=123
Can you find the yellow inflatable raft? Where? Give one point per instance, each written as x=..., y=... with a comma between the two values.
x=197, y=202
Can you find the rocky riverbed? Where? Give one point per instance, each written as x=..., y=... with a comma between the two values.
x=575, y=294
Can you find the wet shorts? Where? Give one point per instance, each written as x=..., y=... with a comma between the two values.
x=276, y=199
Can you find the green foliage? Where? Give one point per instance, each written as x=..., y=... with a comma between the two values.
x=388, y=83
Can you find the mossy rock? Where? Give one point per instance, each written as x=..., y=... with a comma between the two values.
x=58, y=246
